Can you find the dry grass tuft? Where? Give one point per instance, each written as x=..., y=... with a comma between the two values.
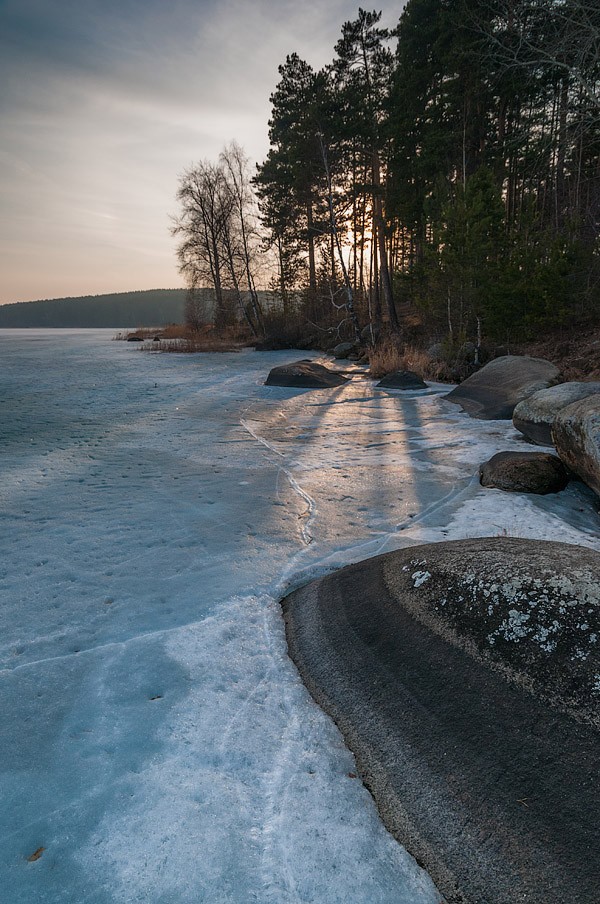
x=179, y=338
x=142, y=332
x=388, y=356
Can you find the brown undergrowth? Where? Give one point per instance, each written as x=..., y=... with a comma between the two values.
x=575, y=352
x=179, y=338
x=389, y=356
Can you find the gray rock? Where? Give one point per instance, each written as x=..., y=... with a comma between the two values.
x=527, y=605
x=304, y=375
x=445, y=351
x=534, y=416
x=402, y=379
x=524, y=472
x=436, y=351
x=463, y=675
x=493, y=392
x=343, y=349
x=576, y=435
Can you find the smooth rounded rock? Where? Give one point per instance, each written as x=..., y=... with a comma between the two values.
x=534, y=416
x=493, y=392
x=343, y=349
x=524, y=472
x=463, y=676
x=437, y=351
x=402, y=379
x=576, y=435
x=304, y=375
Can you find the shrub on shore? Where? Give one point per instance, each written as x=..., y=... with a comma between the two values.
x=389, y=356
x=179, y=338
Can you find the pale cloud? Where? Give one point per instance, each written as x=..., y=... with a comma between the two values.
x=104, y=103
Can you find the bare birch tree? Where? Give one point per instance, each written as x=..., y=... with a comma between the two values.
x=243, y=230
x=206, y=207
x=217, y=227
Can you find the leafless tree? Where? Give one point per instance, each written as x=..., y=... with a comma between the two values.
x=206, y=208
x=195, y=312
x=218, y=246
x=243, y=233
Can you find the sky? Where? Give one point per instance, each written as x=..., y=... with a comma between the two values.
x=104, y=103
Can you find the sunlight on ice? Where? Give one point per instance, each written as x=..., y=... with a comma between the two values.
x=159, y=744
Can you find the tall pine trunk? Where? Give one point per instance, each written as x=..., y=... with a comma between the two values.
x=379, y=225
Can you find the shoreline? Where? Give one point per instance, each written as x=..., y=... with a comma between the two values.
x=485, y=784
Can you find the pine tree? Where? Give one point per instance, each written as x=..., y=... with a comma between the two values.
x=362, y=71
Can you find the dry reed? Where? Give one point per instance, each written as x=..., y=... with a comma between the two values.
x=388, y=356
x=179, y=338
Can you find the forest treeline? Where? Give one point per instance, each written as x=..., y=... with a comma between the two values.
x=450, y=167
x=153, y=307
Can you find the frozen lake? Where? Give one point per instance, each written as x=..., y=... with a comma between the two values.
x=155, y=741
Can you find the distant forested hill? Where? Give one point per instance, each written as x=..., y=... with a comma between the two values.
x=154, y=307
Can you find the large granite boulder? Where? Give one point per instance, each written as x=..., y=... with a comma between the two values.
x=307, y=342
x=524, y=472
x=304, y=374
x=576, y=435
x=343, y=349
x=463, y=675
x=535, y=415
x=493, y=392
x=402, y=379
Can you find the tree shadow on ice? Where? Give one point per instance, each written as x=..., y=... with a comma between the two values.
x=375, y=459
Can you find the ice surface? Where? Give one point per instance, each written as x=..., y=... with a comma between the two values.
x=156, y=741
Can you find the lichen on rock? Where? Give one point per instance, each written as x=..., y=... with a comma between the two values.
x=530, y=608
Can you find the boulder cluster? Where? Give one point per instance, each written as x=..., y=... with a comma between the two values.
x=464, y=674
x=548, y=413
x=456, y=670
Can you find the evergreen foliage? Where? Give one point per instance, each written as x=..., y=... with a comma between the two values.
x=460, y=168
x=450, y=166
x=495, y=172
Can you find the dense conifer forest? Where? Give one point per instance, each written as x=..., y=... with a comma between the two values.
x=448, y=169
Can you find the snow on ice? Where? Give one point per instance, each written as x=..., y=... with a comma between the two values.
x=156, y=743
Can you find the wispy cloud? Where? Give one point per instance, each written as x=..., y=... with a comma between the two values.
x=104, y=102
